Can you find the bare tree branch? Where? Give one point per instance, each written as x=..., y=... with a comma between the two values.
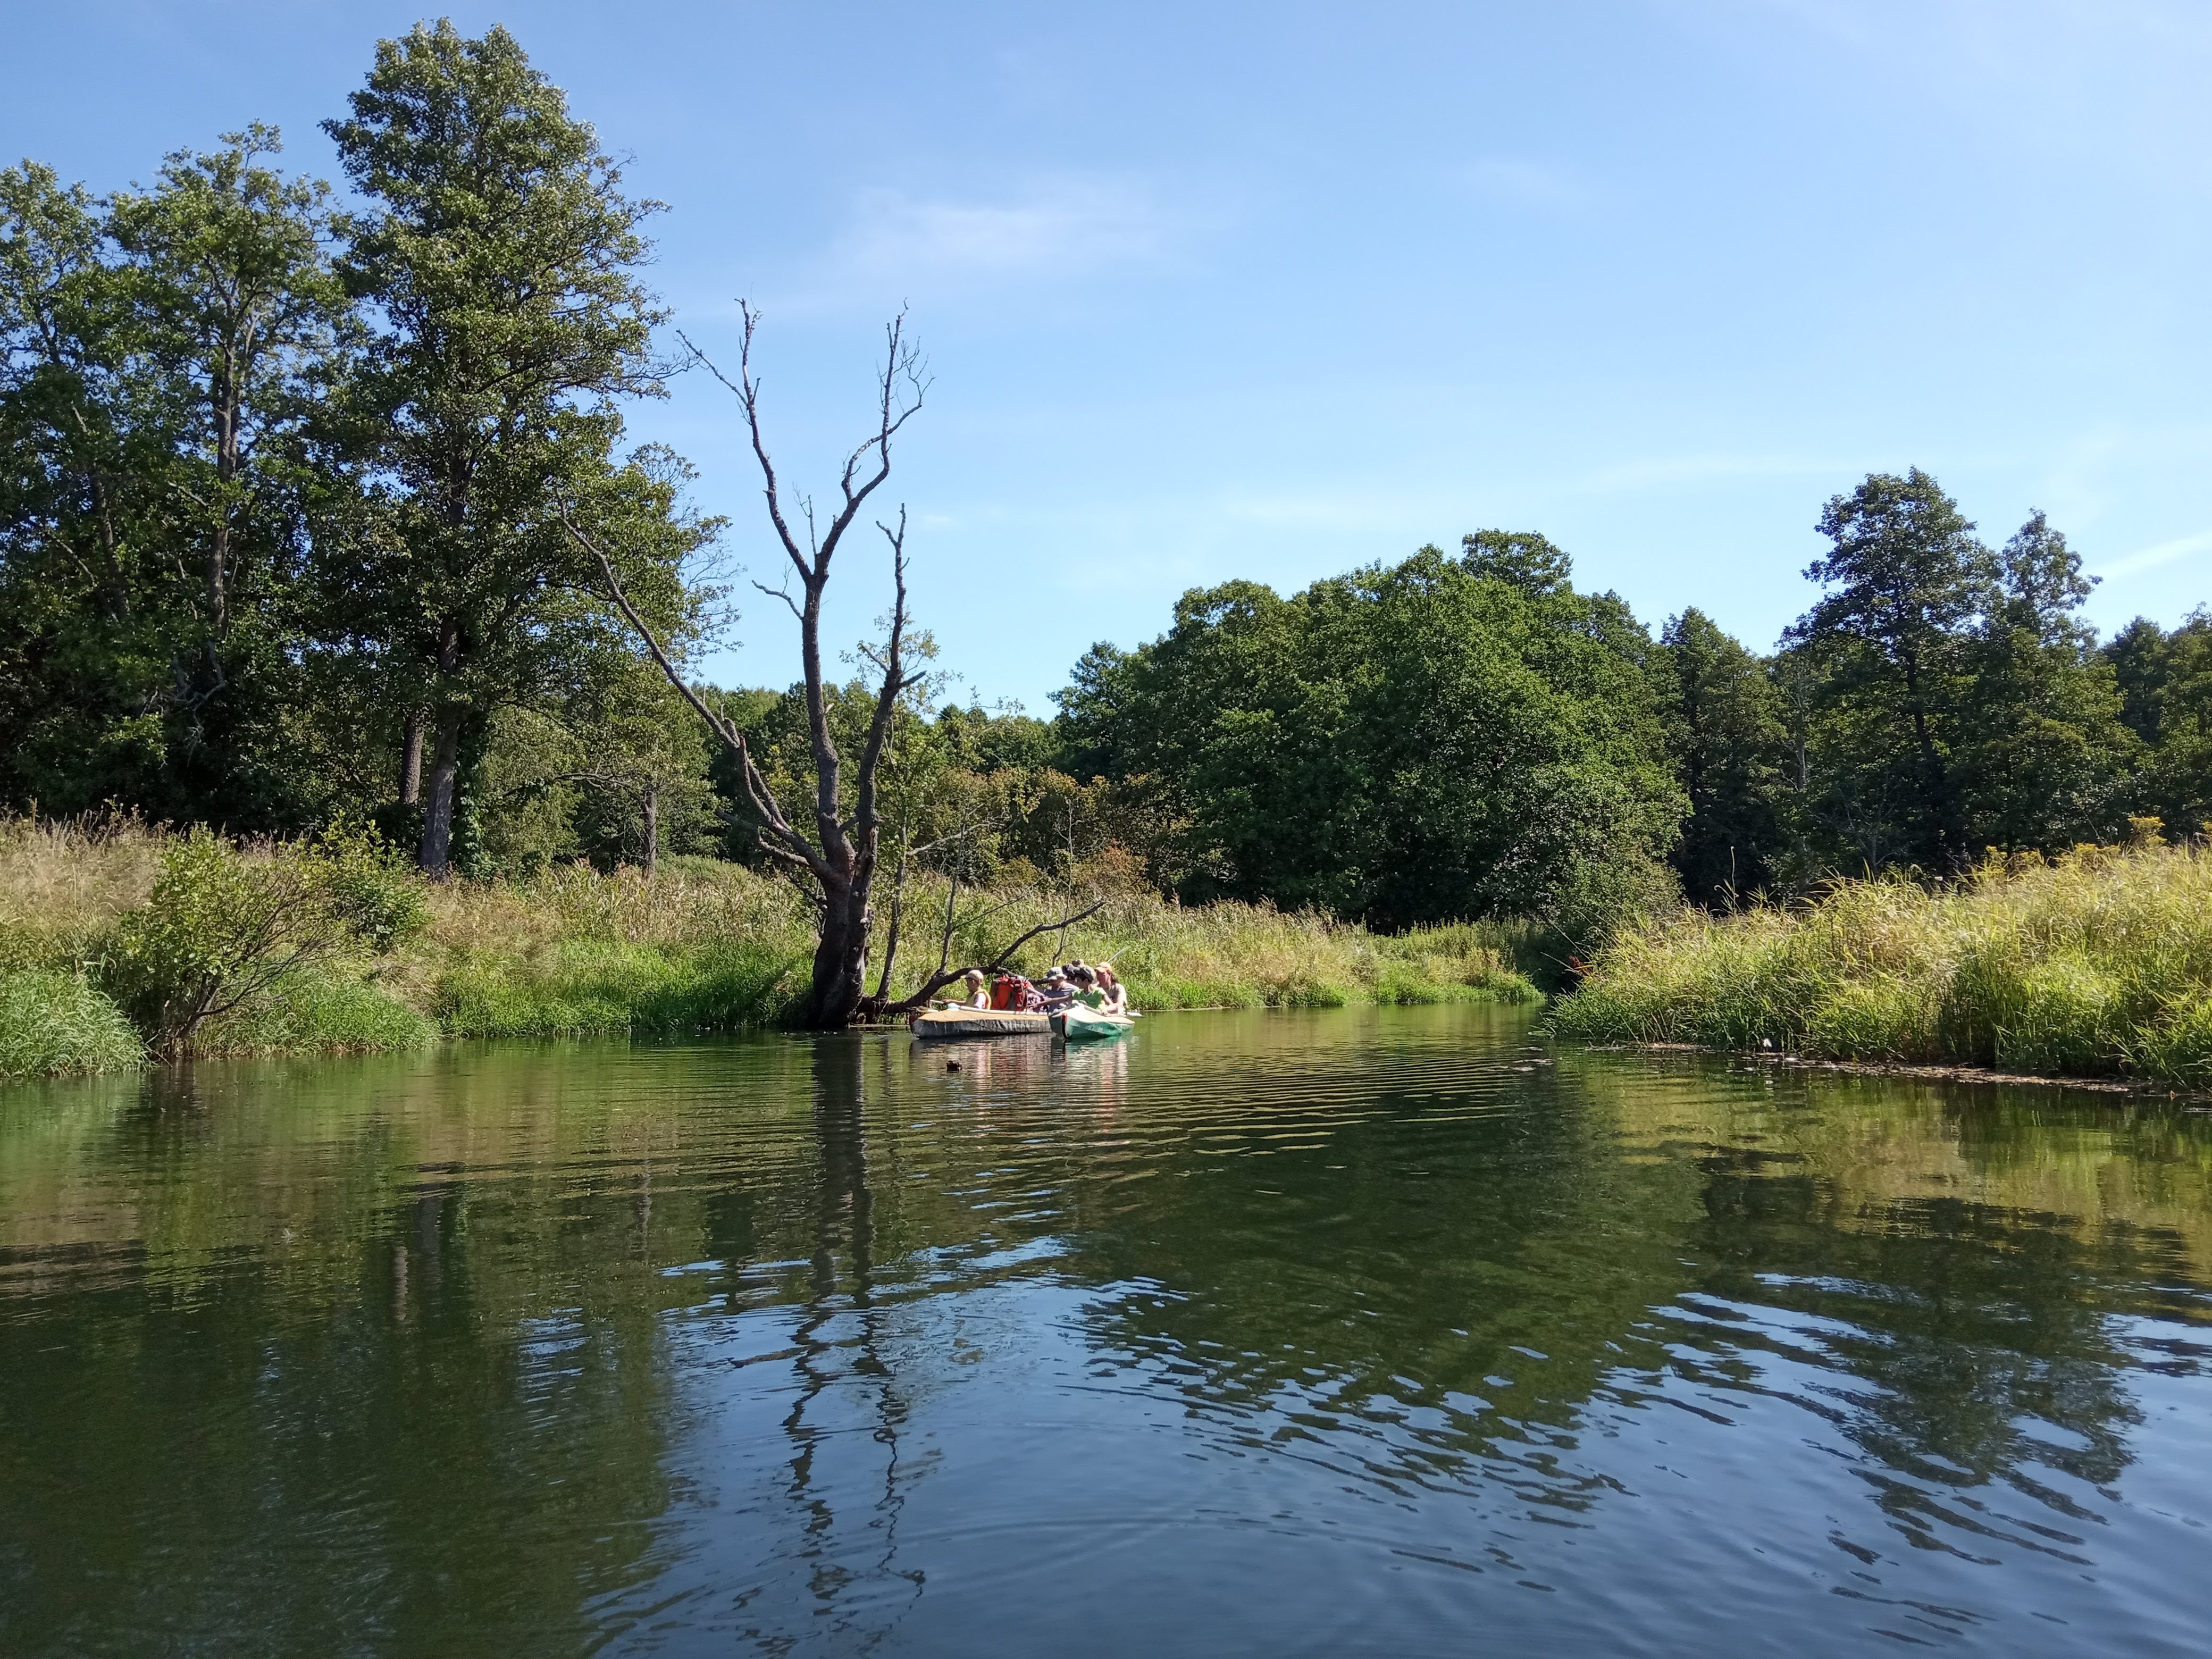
x=757, y=791
x=946, y=976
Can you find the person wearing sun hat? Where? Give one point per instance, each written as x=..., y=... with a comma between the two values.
x=1115, y=994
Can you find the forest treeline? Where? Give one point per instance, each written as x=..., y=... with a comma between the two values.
x=287, y=538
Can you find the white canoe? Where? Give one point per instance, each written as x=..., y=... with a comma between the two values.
x=939, y=1023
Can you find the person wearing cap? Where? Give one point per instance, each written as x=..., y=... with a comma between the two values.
x=979, y=995
x=1057, y=991
x=1084, y=978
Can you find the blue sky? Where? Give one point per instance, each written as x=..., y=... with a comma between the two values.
x=1271, y=291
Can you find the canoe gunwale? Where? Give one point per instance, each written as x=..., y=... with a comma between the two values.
x=943, y=1025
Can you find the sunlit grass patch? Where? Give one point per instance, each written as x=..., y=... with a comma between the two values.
x=701, y=946
x=2098, y=962
x=53, y=1022
x=584, y=986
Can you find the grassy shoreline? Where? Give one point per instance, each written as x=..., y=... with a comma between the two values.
x=702, y=946
x=2094, y=965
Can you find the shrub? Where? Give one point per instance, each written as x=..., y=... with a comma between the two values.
x=227, y=932
x=317, y=1010
x=598, y=986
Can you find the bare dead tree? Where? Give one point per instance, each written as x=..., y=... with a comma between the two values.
x=841, y=855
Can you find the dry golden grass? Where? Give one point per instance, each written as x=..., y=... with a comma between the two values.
x=63, y=882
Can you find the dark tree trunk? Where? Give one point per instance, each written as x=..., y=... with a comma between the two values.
x=445, y=761
x=840, y=957
x=438, y=810
x=651, y=828
x=411, y=760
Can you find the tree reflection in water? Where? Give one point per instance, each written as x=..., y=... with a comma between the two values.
x=818, y=1345
x=840, y=1335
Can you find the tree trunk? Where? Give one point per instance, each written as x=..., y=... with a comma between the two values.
x=891, y=936
x=651, y=828
x=446, y=761
x=438, y=810
x=840, y=959
x=218, y=580
x=411, y=760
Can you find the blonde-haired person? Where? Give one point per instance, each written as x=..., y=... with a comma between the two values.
x=1115, y=994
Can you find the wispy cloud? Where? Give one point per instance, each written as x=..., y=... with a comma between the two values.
x=2150, y=558
x=1060, y=227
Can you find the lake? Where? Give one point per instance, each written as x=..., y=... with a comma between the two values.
x=1359, y=1331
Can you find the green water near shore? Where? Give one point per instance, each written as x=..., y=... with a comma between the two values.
x=1358, y=1330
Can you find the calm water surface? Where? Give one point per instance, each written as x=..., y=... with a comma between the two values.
x=1369, y=1331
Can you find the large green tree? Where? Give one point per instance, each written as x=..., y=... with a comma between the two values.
x=1726, y=732
x=2042, y=754
x=2165, y=682
x=1445, y=737
x=165, y=357
x=1890, y=642
x=500, y=255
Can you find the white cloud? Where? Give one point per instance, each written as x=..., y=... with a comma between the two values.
x=1063, y=227
x=2150, y=558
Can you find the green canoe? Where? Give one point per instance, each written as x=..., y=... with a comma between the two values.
x=1077, y=1023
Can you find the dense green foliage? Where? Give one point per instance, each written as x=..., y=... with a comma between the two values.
x=1443, y=737
x=280, y=515
x=225, y=937
x=1941, y=698
x=53, y=1021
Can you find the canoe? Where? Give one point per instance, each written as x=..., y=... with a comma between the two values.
x=1076, y=1023
x=942, y=1022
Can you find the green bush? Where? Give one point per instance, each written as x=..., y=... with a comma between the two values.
x=230, y=933
x=311, y=1011
x=53, y=1023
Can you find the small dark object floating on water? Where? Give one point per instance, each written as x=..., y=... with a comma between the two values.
x=952, y=1064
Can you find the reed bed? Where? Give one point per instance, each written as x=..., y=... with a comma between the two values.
x=2098, y=963
x=702, y=945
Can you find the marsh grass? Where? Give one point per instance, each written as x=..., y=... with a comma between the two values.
x=53, y=1022
x=2096, y=963
x=703, y=945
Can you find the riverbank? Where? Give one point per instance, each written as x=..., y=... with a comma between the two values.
x=2097, y=965
x=102, y=924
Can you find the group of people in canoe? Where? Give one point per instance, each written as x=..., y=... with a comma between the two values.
x=1094, y=986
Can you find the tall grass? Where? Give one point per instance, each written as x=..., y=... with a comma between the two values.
x=2097, y=964
x=53, y=1022
x=1241, y=955
x=703, y=945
